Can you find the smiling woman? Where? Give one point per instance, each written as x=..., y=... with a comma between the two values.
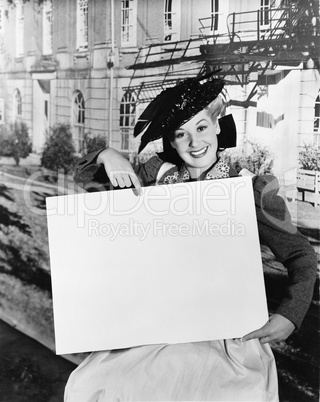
x=196, y=143
x=186, y=117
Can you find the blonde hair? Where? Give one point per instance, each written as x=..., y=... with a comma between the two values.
x=215, y=108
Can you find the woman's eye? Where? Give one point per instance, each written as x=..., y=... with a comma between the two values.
x=201, y=128
x=178, y=135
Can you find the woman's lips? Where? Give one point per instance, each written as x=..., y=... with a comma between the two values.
x=200, y=153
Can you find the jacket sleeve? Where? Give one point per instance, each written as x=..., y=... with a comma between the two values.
x=92, y=176
x=289, y=246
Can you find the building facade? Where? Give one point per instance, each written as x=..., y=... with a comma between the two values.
x=95, y=64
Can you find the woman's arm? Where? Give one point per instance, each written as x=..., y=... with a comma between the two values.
x=107, y=169
x=293, y=250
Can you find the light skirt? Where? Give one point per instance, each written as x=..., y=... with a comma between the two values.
x=226, y=370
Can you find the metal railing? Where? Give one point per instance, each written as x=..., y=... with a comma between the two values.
x=251, y=25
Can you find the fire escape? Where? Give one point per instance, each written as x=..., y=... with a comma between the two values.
x=258, y=44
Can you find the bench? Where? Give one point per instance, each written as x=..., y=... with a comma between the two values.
x=309, y=181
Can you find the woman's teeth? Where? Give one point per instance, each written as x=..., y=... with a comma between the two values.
x=200, y=153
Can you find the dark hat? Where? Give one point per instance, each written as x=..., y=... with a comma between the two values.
x=175, y=106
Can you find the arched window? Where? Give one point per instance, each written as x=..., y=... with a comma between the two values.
x=316, y=123
x=17, y=104
x=78, y=119
x=127, y=119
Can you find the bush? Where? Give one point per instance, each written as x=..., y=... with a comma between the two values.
x=15, y=141
x=259, y=159
x=93, y=143
x=4, y=141
x=58, y=152
x=309, y=157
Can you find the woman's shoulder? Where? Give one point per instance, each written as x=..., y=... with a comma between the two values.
x=267, y=182
x=271, y=207
x=266, y=188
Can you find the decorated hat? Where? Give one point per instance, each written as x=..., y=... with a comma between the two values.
x=175, y=106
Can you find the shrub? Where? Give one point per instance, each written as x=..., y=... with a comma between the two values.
x=58, y=152
x=93, y=143
x=258, y=160
x=15, y=141
x=309, y=157
x=4, y=141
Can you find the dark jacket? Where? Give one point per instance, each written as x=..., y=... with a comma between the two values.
x=276, y=230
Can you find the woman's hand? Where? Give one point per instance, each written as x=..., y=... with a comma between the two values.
x=278, y=328
x=119, y=170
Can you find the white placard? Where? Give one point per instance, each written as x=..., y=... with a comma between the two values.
x=181, y=263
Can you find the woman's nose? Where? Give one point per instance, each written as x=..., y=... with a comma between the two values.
x=193, y=140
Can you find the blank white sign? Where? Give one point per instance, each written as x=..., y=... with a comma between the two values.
x=181, y=263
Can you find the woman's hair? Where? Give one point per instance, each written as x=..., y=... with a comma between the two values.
x=215, y=108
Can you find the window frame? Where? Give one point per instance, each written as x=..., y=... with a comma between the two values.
x=47, y=28
x=264, y=14
x=129, y=23
x=214, y=15
x=78, y=119
x=127, y=119
x=17, y=103
x=19, y=29
x=171, y=13
x=82, y=25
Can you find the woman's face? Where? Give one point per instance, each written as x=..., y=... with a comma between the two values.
x=196, y=143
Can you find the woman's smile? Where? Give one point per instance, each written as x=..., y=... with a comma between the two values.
x=200, y=153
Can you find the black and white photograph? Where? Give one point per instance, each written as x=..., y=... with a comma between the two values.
x=159, y=200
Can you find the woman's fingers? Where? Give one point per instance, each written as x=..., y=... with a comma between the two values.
x=278, y=328
x=136, y=183
x=126, y=180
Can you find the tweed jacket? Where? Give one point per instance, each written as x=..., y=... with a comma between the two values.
x=275, y=228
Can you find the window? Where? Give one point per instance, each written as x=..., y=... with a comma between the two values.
x=19, y=29
x=316, y=124
x=172, y=11
x=1, y=111
x=82, y=24
x=264, y=13
x=78, y=120
x=47, y=27
x=127, y=119
x=128, y=22
x=17, y=104
x=214, y=15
